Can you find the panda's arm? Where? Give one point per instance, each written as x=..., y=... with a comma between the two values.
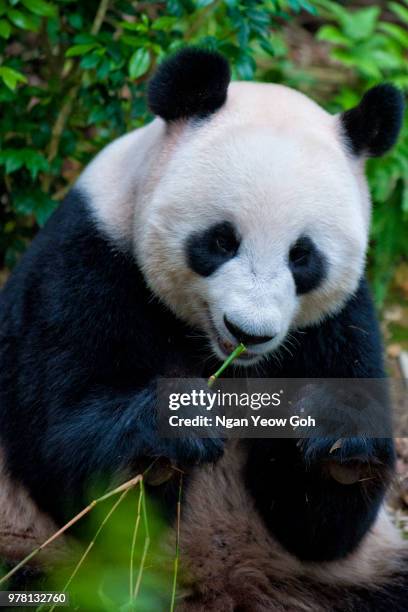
x=312, y=514
x=105, y=434
x=81, y=346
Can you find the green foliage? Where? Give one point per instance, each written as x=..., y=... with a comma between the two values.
x=102, y=581
x=73, y=77
x=121, y=558
x=375, y=50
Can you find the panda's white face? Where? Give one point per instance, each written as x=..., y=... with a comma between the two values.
x=258, y=222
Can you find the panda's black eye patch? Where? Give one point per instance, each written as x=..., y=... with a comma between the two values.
x=225, y=241
x=308, y=265
x=208, y=250
x=299, y=254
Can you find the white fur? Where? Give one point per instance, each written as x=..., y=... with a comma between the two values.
x=272, y=162
x=116, y=180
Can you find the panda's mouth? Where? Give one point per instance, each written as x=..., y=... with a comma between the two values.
x=224, y=347
x=227, y=347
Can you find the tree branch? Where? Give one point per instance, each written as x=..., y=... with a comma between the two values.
x=66, y=108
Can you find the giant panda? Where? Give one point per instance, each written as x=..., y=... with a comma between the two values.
x=241, y=213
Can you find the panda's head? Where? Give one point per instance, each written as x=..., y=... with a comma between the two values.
x=257, y=215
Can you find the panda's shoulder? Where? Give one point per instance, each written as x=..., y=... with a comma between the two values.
x=69, y=243
x=72, y=275
x=357, y=319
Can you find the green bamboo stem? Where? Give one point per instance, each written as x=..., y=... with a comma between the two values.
x=236, y=353
x=92, y=542
x=146, y=544
x=133, y=548
x=123, y=487
x=177, y=557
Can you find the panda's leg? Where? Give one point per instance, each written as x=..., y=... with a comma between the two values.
x=319, y=503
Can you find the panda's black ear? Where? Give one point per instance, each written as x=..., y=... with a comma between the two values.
x=191, y=83
x=373, y=126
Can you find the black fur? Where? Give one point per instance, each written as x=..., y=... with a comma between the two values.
x=308, y=265
x=372, y=127
x=82, y=343
x=191, y=83
x=315, y=517
x=206, y=251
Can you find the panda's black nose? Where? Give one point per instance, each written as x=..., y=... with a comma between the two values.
x=243, y=336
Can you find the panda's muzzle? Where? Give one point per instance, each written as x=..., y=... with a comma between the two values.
x=241, y=336
x=224, y=346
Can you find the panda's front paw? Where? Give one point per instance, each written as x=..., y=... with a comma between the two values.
x=193, y=440
x=349, y=460
x=317, y=449
x=194, y=450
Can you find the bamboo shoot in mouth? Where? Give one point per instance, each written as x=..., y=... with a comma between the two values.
x=235, y=353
